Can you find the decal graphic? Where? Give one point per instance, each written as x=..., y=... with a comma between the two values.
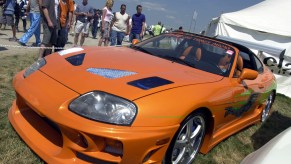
x=246, y=107
x=230, y=52
x=253, y=98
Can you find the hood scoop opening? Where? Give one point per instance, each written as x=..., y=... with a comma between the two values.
x=76, y=60
x=110, y=73
x=149, y=83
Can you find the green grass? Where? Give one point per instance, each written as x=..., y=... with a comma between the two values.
x=12, y=148
x=231, y=150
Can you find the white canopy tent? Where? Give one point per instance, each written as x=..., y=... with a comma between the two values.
x=266, y=24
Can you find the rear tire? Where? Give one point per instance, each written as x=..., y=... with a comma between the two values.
x=266, y=110
x=187, y=141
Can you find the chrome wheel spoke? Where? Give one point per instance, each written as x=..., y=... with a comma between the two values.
x=180, y=149
x=188, y=141
x=266, y=110
x=191, y=150
x=189, y=129
x=180, y=144
x=196, y=132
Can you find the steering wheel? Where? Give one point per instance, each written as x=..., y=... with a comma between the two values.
x=216, y=66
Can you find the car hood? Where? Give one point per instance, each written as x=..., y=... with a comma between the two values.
x=120, y=71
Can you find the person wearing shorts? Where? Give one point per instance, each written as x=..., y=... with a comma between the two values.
x=2, y=2
x=50, y=26
x=83, y=13
x=8, y=17
x=107, y=17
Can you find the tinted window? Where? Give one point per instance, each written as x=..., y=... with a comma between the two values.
x=260, y=67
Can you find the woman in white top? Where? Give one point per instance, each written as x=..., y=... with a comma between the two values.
x=107, y=16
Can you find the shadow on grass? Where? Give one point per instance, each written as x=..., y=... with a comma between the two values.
x=3, y=48
x=275, y=124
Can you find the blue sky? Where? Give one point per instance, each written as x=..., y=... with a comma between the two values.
x=175, y=13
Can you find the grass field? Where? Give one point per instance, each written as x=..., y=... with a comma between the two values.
x=230, y=151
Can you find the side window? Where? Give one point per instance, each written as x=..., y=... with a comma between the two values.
x=248, y=61
x=260, y=67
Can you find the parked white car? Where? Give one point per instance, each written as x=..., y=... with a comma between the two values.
x=276, y=151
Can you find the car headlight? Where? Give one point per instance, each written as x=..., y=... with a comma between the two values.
x=104, y=107
x=34, y=67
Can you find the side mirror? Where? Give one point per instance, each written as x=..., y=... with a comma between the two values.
x=247, y=74
x=135, y=41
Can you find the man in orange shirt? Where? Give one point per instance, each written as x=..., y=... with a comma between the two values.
x=66, y=20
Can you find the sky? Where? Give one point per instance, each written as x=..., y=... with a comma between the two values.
x=176, y=13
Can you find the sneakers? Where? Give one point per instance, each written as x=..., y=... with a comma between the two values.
x=20, y=43
x=14, y=39
x=35, y=45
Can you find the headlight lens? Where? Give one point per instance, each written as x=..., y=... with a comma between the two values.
x=34, y=67
x=104, y=107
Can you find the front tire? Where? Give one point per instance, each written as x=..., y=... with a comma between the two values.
x=187, y=141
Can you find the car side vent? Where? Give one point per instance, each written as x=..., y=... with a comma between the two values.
x=76, y=60
x=149, y=83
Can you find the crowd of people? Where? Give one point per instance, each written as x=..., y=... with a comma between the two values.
x=61, y=17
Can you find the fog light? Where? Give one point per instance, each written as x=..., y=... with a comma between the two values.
x=113, y=147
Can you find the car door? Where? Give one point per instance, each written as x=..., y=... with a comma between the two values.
x=247, y=92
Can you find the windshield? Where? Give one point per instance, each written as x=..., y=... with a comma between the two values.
x=191, y=50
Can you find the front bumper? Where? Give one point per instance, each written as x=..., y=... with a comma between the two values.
x=40, y=116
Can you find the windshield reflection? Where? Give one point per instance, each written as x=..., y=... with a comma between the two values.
x=192, y=50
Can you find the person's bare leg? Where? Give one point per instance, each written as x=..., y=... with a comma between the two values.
x=41, y=51
x=106, y=42
x=76, y=38
x=100, y=41
x=83, y=36
x=14, y=31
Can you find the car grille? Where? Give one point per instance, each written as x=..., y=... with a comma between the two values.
x=44, y=126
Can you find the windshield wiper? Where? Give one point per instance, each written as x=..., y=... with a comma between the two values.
x=178, y=60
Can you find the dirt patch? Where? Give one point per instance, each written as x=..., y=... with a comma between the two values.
x=8, y=48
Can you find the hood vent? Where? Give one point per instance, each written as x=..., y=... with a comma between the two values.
x=149, y=83
x=76, y=60
x=110, y=73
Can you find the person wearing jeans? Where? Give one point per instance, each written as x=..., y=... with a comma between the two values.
x=138, y=24
x=35, y=18
x=120, y=26
x=95, y=23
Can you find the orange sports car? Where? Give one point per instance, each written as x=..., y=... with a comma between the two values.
x=162, y=100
